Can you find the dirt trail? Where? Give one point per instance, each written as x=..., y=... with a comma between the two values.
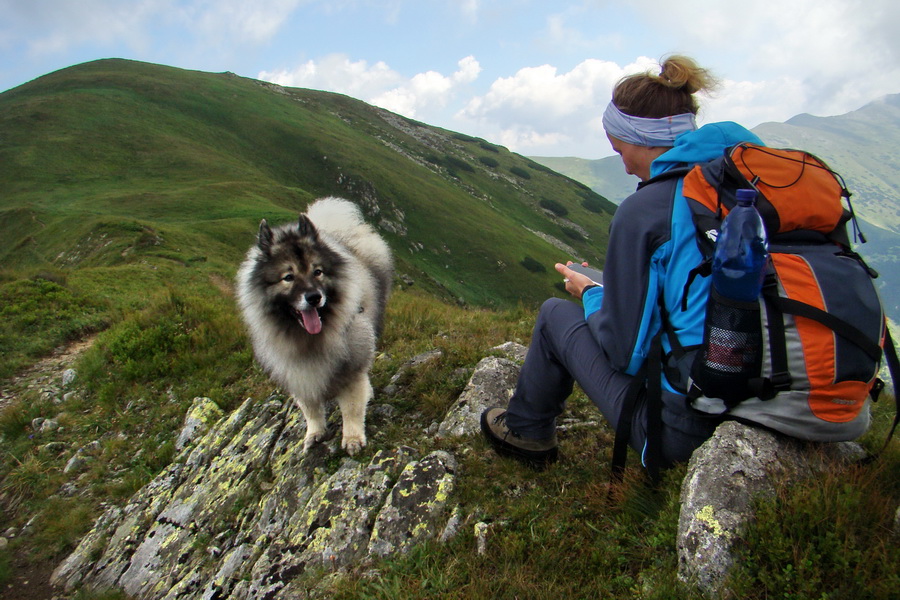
x=31, y=581
x=45, y=373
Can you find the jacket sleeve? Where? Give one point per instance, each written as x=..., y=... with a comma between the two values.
x=638, y=244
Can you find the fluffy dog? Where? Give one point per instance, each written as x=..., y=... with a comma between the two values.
x=313, y=296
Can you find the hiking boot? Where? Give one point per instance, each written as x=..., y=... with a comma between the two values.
x=536, y=453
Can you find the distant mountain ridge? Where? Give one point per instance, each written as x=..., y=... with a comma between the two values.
x=862, y=145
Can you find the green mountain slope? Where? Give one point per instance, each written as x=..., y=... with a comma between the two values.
x=115, y=162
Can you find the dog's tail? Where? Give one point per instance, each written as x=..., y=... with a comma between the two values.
x=342, y=221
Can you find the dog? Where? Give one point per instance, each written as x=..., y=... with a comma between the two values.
x=313, y=295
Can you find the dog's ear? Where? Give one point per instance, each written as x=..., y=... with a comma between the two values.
x=264, y=238
x=306, y=228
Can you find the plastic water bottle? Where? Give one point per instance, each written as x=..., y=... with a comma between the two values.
x=741, y=251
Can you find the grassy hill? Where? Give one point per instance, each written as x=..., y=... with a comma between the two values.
x=113, y=162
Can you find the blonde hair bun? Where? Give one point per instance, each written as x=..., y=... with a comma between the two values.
x=669, y=93
x=682, y=72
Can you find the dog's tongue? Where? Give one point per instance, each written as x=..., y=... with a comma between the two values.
x=311, y=320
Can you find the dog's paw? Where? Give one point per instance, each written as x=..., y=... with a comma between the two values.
x=312, y=438
x=352, y=445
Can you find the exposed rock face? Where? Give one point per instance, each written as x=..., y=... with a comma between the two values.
x=736, y=465
x=243, y=512
x=203, y=414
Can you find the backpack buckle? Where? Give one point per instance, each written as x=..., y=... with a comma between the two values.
x=781, y=381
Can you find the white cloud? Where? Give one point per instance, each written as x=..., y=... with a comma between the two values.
x=539, y=107
x=753, y=102
x=819, y=56
x=57, y=26
x=379, y=84
x=552, y=65
x=469, y=9
x=337, y=73
x=252, y=22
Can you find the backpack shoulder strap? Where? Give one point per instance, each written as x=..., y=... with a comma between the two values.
x=647, y=384
x=674, y=173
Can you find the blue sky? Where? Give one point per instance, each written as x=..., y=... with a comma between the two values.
x=534, y=76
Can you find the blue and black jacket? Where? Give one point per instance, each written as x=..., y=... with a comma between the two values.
x=652, y=249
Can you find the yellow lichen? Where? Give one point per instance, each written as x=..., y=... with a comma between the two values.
x=707, y=515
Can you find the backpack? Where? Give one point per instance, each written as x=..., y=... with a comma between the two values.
x=803, y=359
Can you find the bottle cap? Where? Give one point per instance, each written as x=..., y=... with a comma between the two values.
x=746, y=197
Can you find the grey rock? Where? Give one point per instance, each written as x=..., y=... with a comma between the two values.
x=482, y=533
x=243, y=512
x=227, y=577
x=738, y=464
x=68, y=489
x=416, y=506
x=200, y=417
x=453, y=524
x=384, y=412
x=492, y=383
x=72, y=570
x=55, y=447
x=512, y=350
x=68, y=377
x=76, y=463
x=397, y=380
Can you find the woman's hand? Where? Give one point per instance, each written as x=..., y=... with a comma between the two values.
x=575, y=282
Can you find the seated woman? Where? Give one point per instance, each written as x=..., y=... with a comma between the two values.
x=603, y=343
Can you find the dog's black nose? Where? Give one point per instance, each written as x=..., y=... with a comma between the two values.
x=313, y=298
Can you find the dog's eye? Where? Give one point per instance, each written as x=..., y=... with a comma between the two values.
x=318, y=273
x=289, y=277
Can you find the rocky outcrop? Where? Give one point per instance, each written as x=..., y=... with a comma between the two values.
x=737, y=465
x=243, y=513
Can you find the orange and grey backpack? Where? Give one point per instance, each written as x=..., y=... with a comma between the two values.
x=803, y=360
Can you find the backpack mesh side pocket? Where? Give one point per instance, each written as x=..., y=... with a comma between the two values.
x=732, y=349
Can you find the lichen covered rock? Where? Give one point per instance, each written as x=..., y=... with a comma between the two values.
x=417, y=506
x=243, y=512
x=737, y=465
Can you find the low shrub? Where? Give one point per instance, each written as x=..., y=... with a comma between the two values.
x=519, y=171
x=553, y=206
x=533, y=265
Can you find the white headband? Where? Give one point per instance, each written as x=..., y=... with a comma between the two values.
x=641, y=131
